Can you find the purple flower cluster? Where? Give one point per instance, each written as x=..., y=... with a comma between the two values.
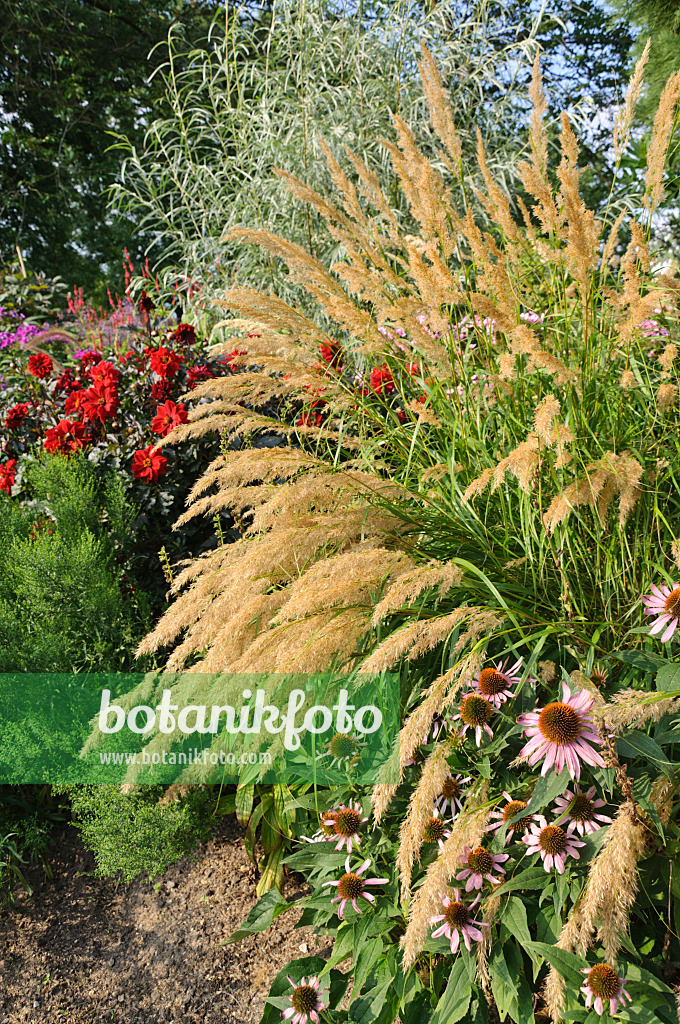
x=22, y=333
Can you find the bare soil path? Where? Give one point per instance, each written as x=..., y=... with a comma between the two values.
x=84, y=950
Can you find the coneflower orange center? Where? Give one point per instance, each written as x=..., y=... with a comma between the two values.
x=491, y=681
x=350, y=886
x=582, y=809
x=603, y=981
x=304, y=999
x=341, y=745
x=329, y=816
x=456, y=915
x=450, y=789
x=559, y=723
x=347, y=822
x=672, y=604
x=434, y=830
x=480, y=861
x=513, y=808
x=475, y=710
x=553, y=839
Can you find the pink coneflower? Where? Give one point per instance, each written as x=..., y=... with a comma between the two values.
x=664, y=602
x=436, y=831
x=306, y=1001
x=457, y=921
x=345, y=823
x=475, y=711
x=602, y=984
x=553, y=843
x=479, y=864
x=496, y=684
x=507, y=813
x=561, y=733
x=452, y=793
x=580, y=808
x=326, y=830
x=351, y=887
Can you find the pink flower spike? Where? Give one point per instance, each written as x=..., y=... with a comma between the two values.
x=479, y=864
x=475, y=712
x=496, y=684
x=553, y=843
x=306, y=1000
x=603, y=984
x=664, y=602
x=457, y=921
x=351, y=887
x=580, y=808
x=562, y=733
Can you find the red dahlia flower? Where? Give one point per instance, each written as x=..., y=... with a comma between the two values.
x=40, y=365
x=168, y=416
x=165, y=362
x=88, y=358
x=148, y=465
x=185, y=334
x=161, y=390
x=146, y=303
x=381, y=380
x=332, y=354
x=16, y=415
x=8, y=475
x=104, y=373
x=99, y=403
x=195, y=374
x=66, y=437
x=66, y=382
x=74, y=402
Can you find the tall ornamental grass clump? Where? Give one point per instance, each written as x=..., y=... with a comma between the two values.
x=472, y=479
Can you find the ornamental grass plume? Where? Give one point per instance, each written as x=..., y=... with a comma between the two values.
x=419, y=811
x=612, y=884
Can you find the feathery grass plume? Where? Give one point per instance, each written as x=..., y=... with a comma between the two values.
x=408, y=585
x=467, y=830
x=547, y=671
x=415, y=639
x=666, y=396
x=491, y=908
x=612, y=884
x=663, y=794
x=634, y=707
x=583, y=231
x=664, y=124
x=610, y=476
x=625, y=114
x=675, y=552
x=554, y=988
x=668, y=357
x=627, y=380
x=534, y=175
x=419, y=812
x=439, y=108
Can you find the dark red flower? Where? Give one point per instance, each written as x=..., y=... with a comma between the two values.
x=40, y=365
x=104, y=373
x=185, y=334
x=16, y=416
x=332, y=354
x=228, y=359
x=161, y=390
x=8, y=472
x=165, y=362
x=381, y=380
x=146, y=304
x=195, y=374
x=66, y=437
x=310, y=419
x=168, y=416
x=148, y=465
x=99, y=403
x=74, y=402
x=89, y=358
x=66, y=382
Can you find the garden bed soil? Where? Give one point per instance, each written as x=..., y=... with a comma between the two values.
x=84, y=950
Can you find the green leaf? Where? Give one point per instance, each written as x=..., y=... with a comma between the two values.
x=454, y=1003
x=639, y=744
x=644, y=660
x=272, y=873
x=245, y=795
x=260, y=917
x=515, y=918
x=226, y=804
x=531, y=878
x=367, y=958
x=546, y=789
x=365, y=1009
x=641, y=976
x=668, y=678
x=568, y=964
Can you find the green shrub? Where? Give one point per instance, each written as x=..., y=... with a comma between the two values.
x=133, y=832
